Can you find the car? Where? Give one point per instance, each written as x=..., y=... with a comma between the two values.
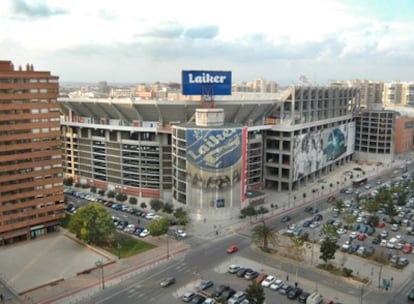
x=354, y=235
x=384, y=234
x=317, y=218
x=188, y=296
x=237, y=297
x=410, y=295
x=408, y=248
x=233, y=268
x=362, y=236
x=331, y=199
x=308, y=209
x=167, y=282
x=205, y=284
x=306, y=223
x=285, y=219
x=180, y=234
x=395, y=227
x=219, y=290
x=403, y=262
x=376, y=240
x=232, y=249
x=294, y=293
x=262, y=276
x=209, y=301
x=285, y=288
x=242, y=271
x=303, y=297
x=341, y=231
x=328, y=301
x=251, y=274
x=226, y=294
x=381, y=224
x=198, y=299
x=369, y=251
x=275, y=286
x=144, y=233
x=268, y=281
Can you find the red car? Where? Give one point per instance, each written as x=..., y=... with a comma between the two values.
x=381, y=225
x=362, y=236
x=232, y=249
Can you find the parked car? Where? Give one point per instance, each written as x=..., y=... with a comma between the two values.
x=219, y=290
x=233, y=268
x=410, y=295
x=250, y=275
x=226, y=294
x=275, y=286
x=205, y=284
x=294, y=293
x=237, y=297
x=285, y=219
x=285, y=288
x=259, y=279
x=268, y=281
x=198, y=299
x=180, y=234
x=303, y=297
x=188, y=296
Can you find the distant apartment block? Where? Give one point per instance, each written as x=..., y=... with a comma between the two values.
x=31, y=189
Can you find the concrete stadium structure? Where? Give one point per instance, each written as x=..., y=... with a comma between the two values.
x=142, y=147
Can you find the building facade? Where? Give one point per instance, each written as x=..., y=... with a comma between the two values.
x=375, y=131
x=31, y=175
x=152, y=148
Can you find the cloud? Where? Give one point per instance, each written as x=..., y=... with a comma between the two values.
x=168, y=30
x=202, y=32
x=35, y=10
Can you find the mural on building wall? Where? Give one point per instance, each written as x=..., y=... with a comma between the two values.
x=313, y=151
x=214, y=165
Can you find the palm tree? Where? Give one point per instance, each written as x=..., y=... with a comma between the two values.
x=264, y=235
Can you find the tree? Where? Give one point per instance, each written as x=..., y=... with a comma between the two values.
x=298, y=243
x=133, y=200
x=121, y=197
x=248, y=211
x=328, y=249
x=68, y=181
x=110, y=194
x=92, y=223
x=159, y=226
x=93, y=189
x=329, y=232
x=156, y=204
x=262, y=235
x=255, y=293
x=181, y=216
x=168, y=208
x=143, y=205
x=340, y=205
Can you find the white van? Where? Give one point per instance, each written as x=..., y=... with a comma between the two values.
x=314, y=298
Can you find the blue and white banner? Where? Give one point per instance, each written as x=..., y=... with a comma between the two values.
x=206, y=82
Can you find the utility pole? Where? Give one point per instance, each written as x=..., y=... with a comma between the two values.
x=379, y=276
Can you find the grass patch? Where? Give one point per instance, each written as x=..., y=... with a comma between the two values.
x=126, y=246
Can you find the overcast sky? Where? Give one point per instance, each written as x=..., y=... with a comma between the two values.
x=146, y=41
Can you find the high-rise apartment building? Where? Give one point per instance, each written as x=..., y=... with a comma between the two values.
x=31, y=188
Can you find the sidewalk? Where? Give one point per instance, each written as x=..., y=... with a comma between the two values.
x=83, y=286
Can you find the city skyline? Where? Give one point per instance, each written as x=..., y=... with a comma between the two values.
x=133, y=42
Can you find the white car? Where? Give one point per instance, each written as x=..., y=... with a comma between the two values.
x=181, y=233
x=341, y=231
x=144, y=233
x=268, y=281
x=276, y=285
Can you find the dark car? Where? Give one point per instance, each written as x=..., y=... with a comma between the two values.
x=167, y=282
x=308, y=209
x=219, y=290
x=198, y=299
x=376, y=240
x=411, y=295
x=226, y=294
x=307, y=223
x=317, y=217
x=303, y=296
x=205, y=284
x=285, y=289
x=285, y=219
x=242, y=271
x=294, y=293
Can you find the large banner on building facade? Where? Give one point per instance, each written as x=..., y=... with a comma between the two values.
x=313, y=151
x=215, y=166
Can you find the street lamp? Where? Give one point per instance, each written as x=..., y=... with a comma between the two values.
x=99, y=264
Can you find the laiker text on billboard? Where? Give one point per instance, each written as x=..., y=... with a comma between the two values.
x=206, y=82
